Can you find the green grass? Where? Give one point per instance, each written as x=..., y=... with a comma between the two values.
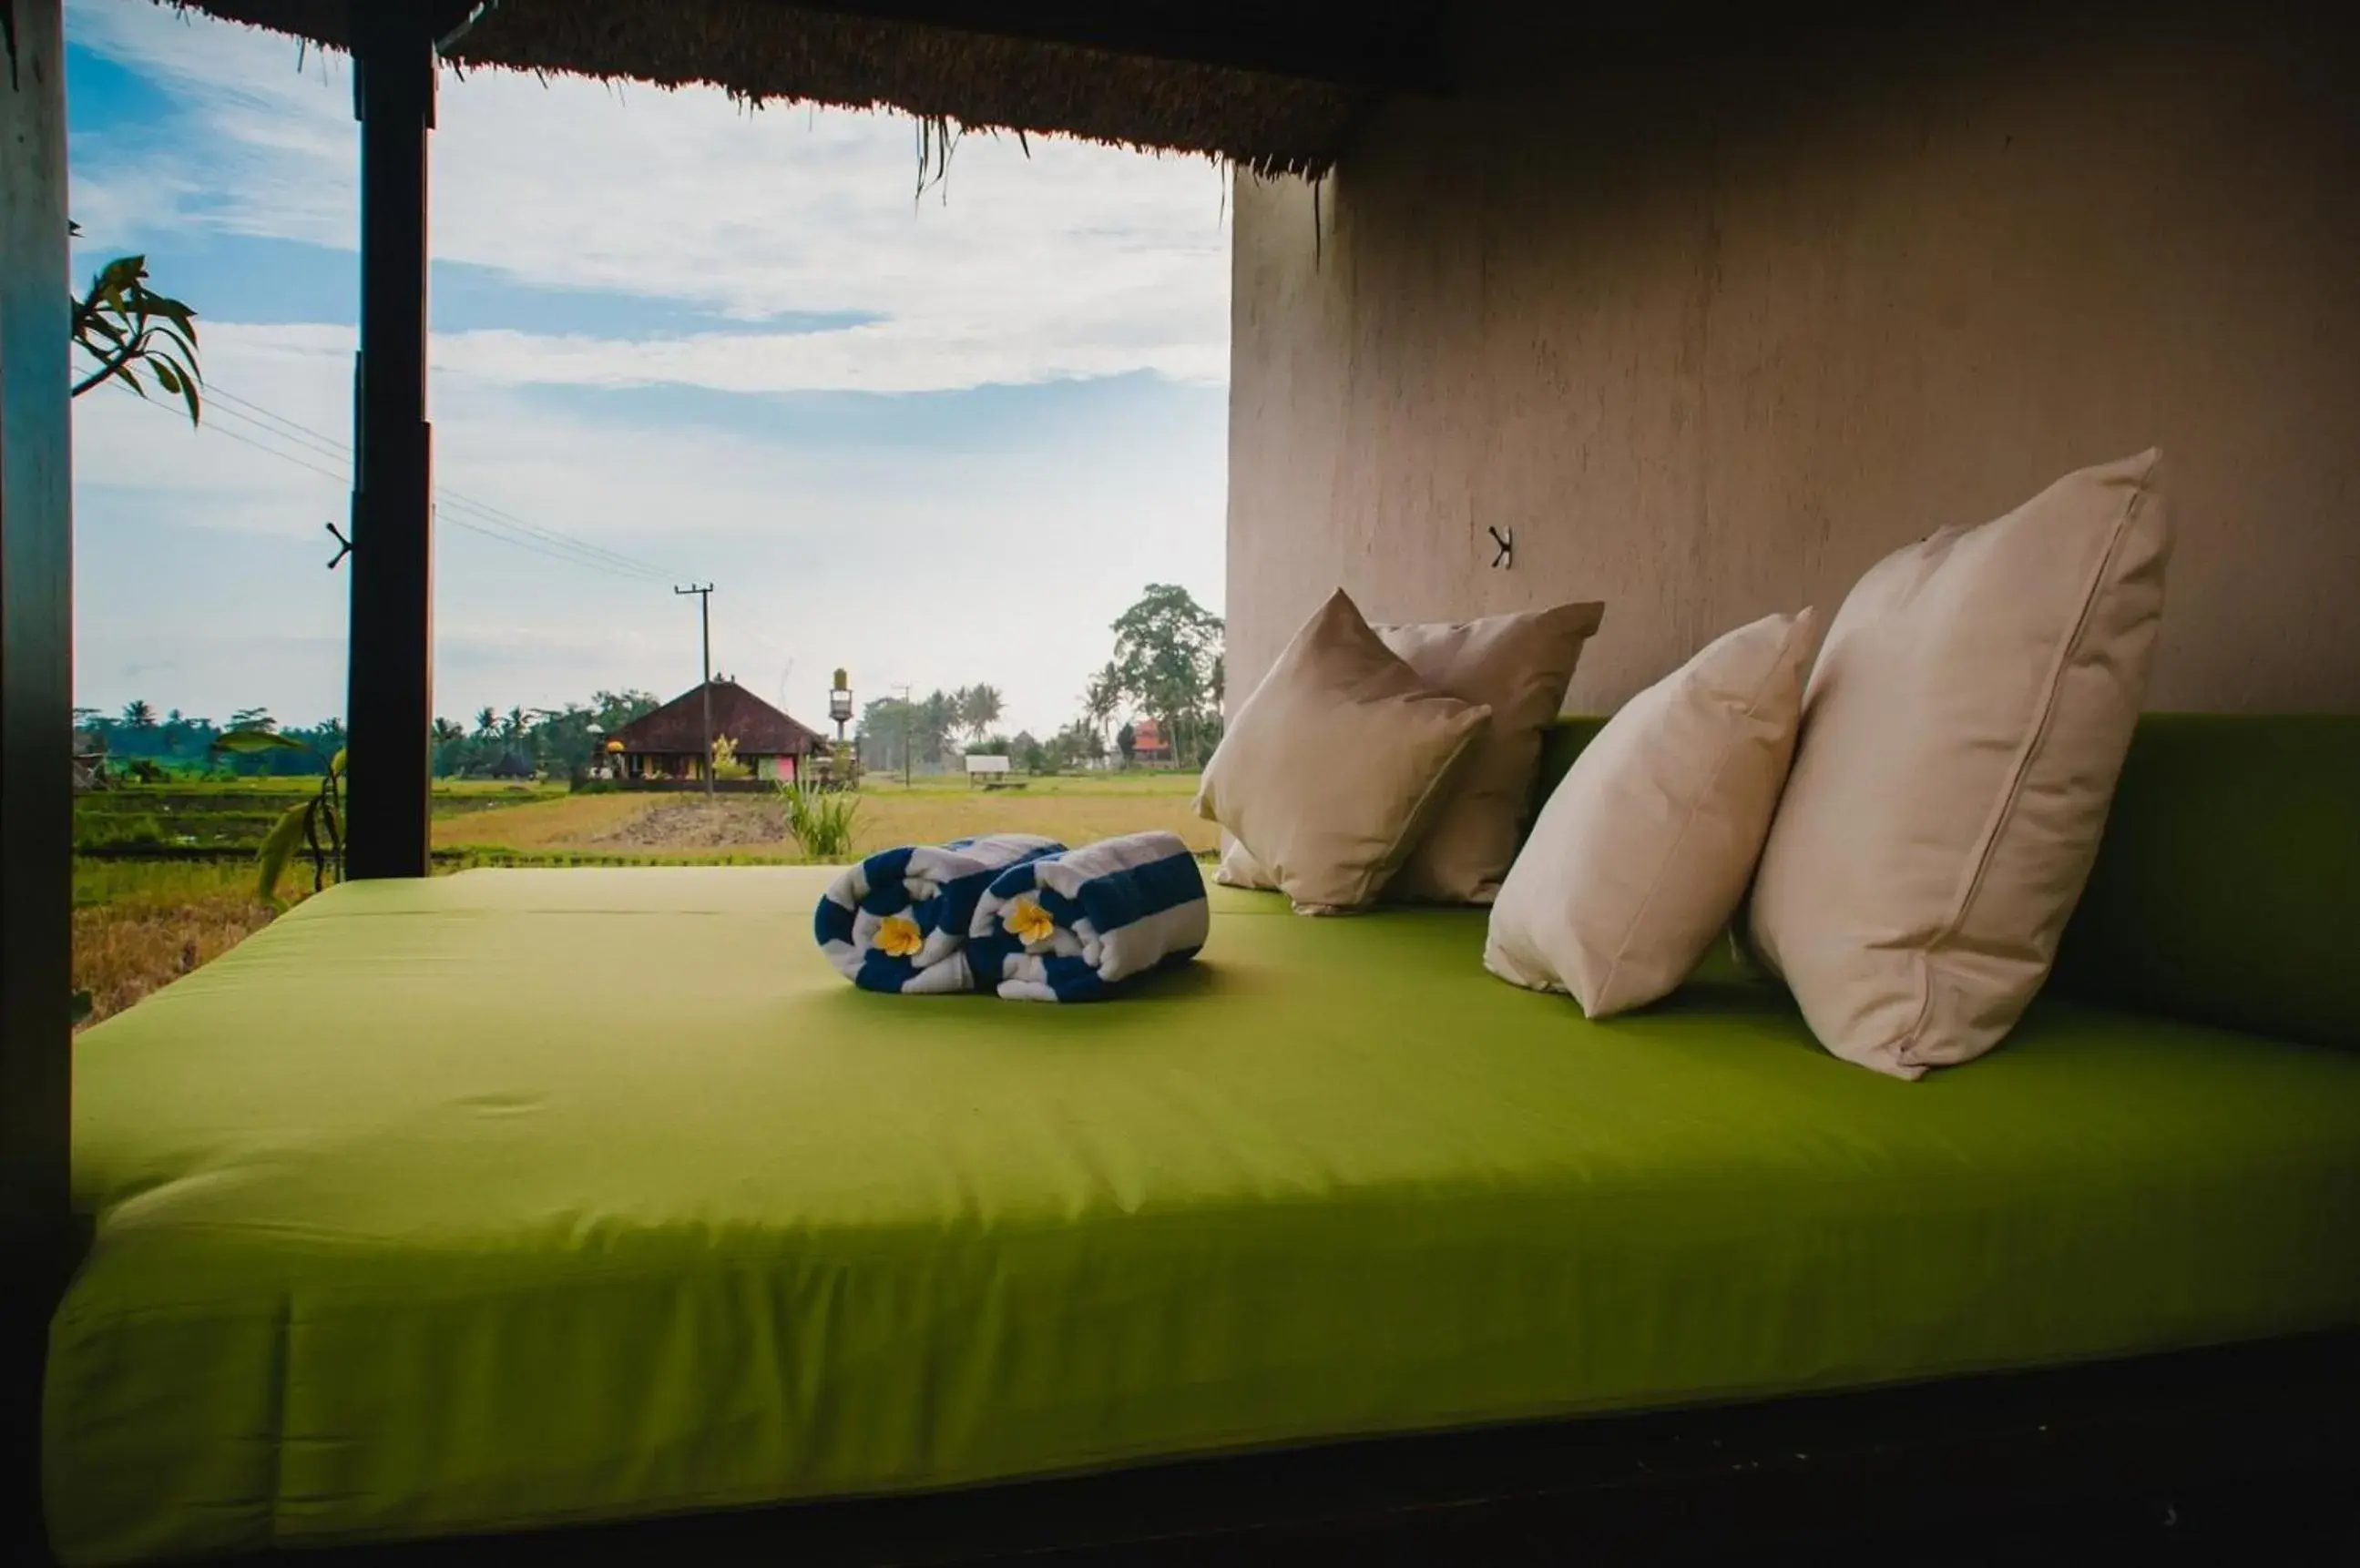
x=1138, y=782
x=1076, y=808
x=232, y=817
x=162, y=882
x=171, y=885
x=138, y=925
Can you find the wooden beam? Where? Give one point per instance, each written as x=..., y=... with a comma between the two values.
x=36, y=742
x=1996, y=1468
x=1388, y=45
x=389, y=704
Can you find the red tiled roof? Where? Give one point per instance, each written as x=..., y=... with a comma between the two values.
x=677, y=727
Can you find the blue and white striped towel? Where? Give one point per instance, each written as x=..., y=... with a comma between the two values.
x=897, y=922
x=1073, y=927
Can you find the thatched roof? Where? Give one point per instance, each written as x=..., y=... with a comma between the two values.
x=1272, y=87
x=758, y=729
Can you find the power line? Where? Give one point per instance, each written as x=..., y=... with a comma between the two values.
x=318, y=439
x=328, y=445
x=460, y=511
x=302, y=435
x=283, y=457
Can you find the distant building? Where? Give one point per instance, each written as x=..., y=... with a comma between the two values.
x=1149, y=742
x=672, y=743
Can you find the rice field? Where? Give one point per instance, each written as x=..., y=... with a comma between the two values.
x=1073, y=809
x=562, y=822
x=141, y=921
x=685, y=827
x=138, y=925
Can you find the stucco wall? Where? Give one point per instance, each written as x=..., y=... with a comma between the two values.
x=1713, y=329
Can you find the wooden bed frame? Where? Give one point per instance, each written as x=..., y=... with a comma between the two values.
x=2249, y=1453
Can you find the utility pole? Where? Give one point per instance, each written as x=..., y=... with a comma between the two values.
x=908, y=725
x=705, y=619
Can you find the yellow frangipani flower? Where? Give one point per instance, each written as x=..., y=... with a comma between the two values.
x=1028, y=923
x=897, y=936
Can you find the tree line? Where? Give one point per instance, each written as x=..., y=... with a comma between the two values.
x=560, y=743
x=522, y=742
x=1166, y=666
x=928, y=728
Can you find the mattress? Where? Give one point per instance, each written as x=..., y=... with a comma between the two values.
x=518, y=1197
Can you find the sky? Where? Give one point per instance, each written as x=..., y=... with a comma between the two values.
x=932, y=439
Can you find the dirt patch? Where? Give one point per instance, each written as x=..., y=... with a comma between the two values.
x=695, y=823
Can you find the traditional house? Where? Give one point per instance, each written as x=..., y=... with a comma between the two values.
x=1149, y=742
x=675, y=742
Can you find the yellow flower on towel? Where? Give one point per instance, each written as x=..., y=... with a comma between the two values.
x=1028, y=923
x=897, y=936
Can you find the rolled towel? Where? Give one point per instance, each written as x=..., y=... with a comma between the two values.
x=1072, y=926
x=897, y=922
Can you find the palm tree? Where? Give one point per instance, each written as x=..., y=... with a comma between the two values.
x=139, y=715
x=936, y=717
x=488, y=723
x=979, y=708
x=513, y=725
x=448, y=730
x=1102, y=698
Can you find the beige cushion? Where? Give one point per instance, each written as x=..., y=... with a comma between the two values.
x=1518, y=666
x=1962, y=735
x=1237, y=868
x=1336, y=763
x=1642, y=853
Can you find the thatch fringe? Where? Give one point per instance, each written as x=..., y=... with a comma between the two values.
x=765, y=52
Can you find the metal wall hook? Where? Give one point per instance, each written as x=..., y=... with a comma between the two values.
x=343, y=545
x=1504, y=554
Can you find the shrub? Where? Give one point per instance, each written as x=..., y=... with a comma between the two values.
x=821, y=821
x=109, y=831
x=724, y=759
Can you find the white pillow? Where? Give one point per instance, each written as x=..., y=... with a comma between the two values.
x=1518, y=666
x=1962, y=737
x=1331, y=770
x=1642, y=854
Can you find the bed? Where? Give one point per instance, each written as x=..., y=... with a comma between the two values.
x=519, y=1197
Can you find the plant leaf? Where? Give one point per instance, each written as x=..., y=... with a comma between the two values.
x=278, y=849
x=189, y=395
x=172, y=310
x=188, y=348
x=244, y=743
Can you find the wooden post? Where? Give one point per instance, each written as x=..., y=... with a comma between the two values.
x=36, y=744
x=390, y=707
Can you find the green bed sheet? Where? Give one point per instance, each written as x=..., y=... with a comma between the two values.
x=519, y=1197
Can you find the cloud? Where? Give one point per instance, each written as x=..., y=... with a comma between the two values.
x=1071, y=260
